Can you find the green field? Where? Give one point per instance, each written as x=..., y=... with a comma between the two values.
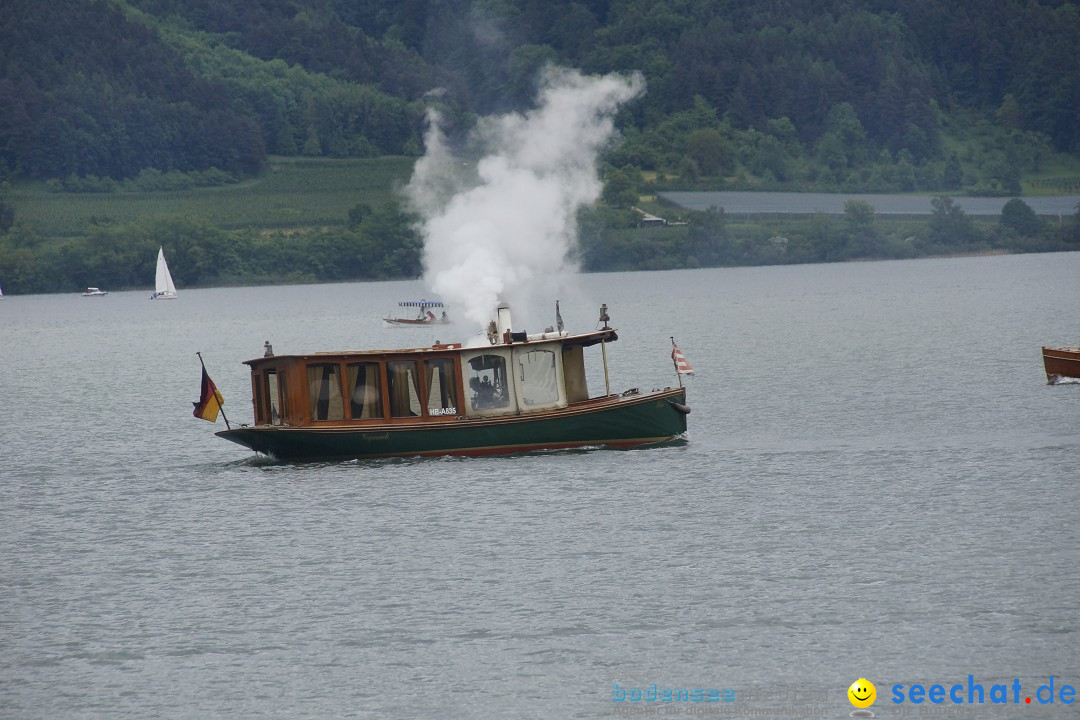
x=294, y=192
x=299, y=192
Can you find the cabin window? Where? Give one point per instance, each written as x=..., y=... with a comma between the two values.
x=404, y=387
x=488, y=383
x=324, y=392
x=573, y=360
x=441, y=387
x=365, y=395
x=279, y=410
x=257, y=383
x=268, y=399
x=538, y=378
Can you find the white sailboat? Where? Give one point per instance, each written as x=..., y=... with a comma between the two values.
x=1, y=293
x=164, y=289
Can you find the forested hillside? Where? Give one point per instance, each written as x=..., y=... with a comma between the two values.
x=223, y=128
x=837, y=93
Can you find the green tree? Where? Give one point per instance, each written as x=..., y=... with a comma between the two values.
x=7, y=216
x=1018, y=216
x=949, y=224
x=784, y=130
x=953, y=177
x=312, y=146
x=1009, y=112
x=688, y=171
x=861, y=230
x=357, y=214
x=820, y=241
x=707, y=240
x=619, y=190
x=712, y=153
x=525, y=65
x=393, y=245
x=904, y=172
x=1070, y=228
x=769, y=158
x=844, y=142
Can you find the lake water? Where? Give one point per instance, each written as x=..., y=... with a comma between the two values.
x=879, y=483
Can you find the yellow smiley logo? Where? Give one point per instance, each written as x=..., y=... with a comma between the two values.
x=862, y=693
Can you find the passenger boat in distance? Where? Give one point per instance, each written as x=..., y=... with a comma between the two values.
x=425, y=313
x=1060, y=363
x=513, y=392
x=94, y=292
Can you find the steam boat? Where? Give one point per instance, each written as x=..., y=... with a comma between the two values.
x=1063, y=362
x=515, y=393
x=425, y=313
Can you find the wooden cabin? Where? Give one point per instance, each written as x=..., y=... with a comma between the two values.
x=440, y=384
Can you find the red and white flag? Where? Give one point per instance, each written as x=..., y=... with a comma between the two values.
x=682, y=365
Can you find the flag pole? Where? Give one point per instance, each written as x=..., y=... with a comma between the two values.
x=678, y=375
x=220, y=408
x=603, y=347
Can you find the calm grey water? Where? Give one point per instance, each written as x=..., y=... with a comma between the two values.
x=879, y=483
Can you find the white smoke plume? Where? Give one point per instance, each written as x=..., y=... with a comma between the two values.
x=502, y=229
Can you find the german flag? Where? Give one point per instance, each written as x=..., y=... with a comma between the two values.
x=210, y=400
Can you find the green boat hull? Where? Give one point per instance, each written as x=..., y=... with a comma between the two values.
x=624, y=421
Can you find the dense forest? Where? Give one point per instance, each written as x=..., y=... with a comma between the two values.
x=838, y=95
x=110, y=87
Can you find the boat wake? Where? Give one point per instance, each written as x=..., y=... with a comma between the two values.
x=1060, y=380
x=259, y=460
x=677, y=441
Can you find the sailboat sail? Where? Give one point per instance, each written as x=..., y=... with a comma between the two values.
x=164, y=289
